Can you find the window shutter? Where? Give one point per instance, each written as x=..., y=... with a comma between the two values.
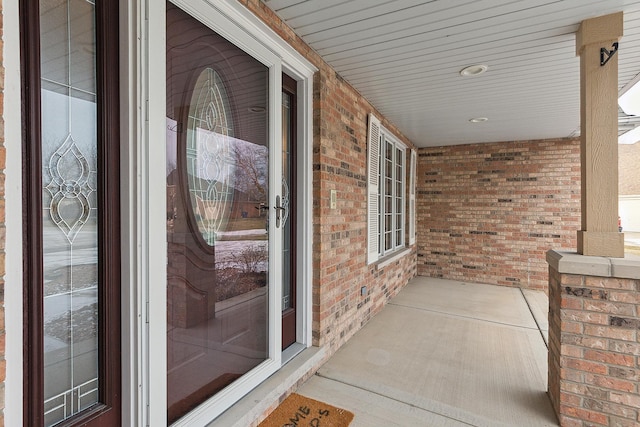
x=373, y=169
x=412, y=198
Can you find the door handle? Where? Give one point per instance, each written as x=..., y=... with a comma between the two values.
x=279, y=209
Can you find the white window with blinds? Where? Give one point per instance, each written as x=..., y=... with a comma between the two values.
x=386, y=192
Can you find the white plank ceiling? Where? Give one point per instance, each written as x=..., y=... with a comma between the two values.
x=405, y=56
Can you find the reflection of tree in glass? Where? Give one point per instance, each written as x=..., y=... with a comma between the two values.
x=251, y=169
x=251, y=259
x=244, y=272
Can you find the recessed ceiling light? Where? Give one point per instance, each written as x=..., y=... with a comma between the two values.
x=479, y=119
x=473, y=70
x=257, y=109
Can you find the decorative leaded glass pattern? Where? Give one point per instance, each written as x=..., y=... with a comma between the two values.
x=69, y=171
x=210, y=160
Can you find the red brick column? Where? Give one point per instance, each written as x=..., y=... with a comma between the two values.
x=594, y=340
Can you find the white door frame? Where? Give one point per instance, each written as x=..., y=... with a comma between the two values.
x=13, y=288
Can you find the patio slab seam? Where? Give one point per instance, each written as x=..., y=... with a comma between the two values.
x=466, y=317
x=535, y=318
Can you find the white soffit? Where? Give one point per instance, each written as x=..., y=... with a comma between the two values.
x=405, y=57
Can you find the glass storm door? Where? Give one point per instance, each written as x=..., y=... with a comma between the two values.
x=217, y=183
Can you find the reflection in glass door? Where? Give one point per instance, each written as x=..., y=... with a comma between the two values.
x=217, y=213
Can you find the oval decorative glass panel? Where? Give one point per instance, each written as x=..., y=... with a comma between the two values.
x=209, y=155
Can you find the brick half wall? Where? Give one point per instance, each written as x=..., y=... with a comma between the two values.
x=594, y=340
x=489, y=212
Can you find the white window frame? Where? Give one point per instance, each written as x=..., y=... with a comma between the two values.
x=412, y=197
x=397, y=219
x=378, y=138
x=13, y=296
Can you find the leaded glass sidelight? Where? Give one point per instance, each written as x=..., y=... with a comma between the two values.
x=286, y=178
x=71, y=212
x=289, y=317
x=69, y=207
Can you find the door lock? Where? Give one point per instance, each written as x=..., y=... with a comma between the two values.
x=279, y=209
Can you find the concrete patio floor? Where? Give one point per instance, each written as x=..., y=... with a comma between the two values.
x=445, y=353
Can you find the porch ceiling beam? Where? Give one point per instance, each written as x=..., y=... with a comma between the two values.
x=599, y=234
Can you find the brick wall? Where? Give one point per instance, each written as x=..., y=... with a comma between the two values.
x=594, y=350
x=2, y=226
x=340, y=238
x=340, y=235
x=489, y=212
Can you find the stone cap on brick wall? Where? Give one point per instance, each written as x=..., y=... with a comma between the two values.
x=574, y=263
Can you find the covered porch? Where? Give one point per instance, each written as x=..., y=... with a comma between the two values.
x=445, y=353
x=441, y=353
x=483, y=181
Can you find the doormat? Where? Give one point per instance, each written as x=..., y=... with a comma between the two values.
x=300, y=411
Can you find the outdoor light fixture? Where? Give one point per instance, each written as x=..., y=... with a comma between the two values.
x=473, y=70
x=479, y=119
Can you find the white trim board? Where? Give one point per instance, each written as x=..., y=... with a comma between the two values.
x=13, y=213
